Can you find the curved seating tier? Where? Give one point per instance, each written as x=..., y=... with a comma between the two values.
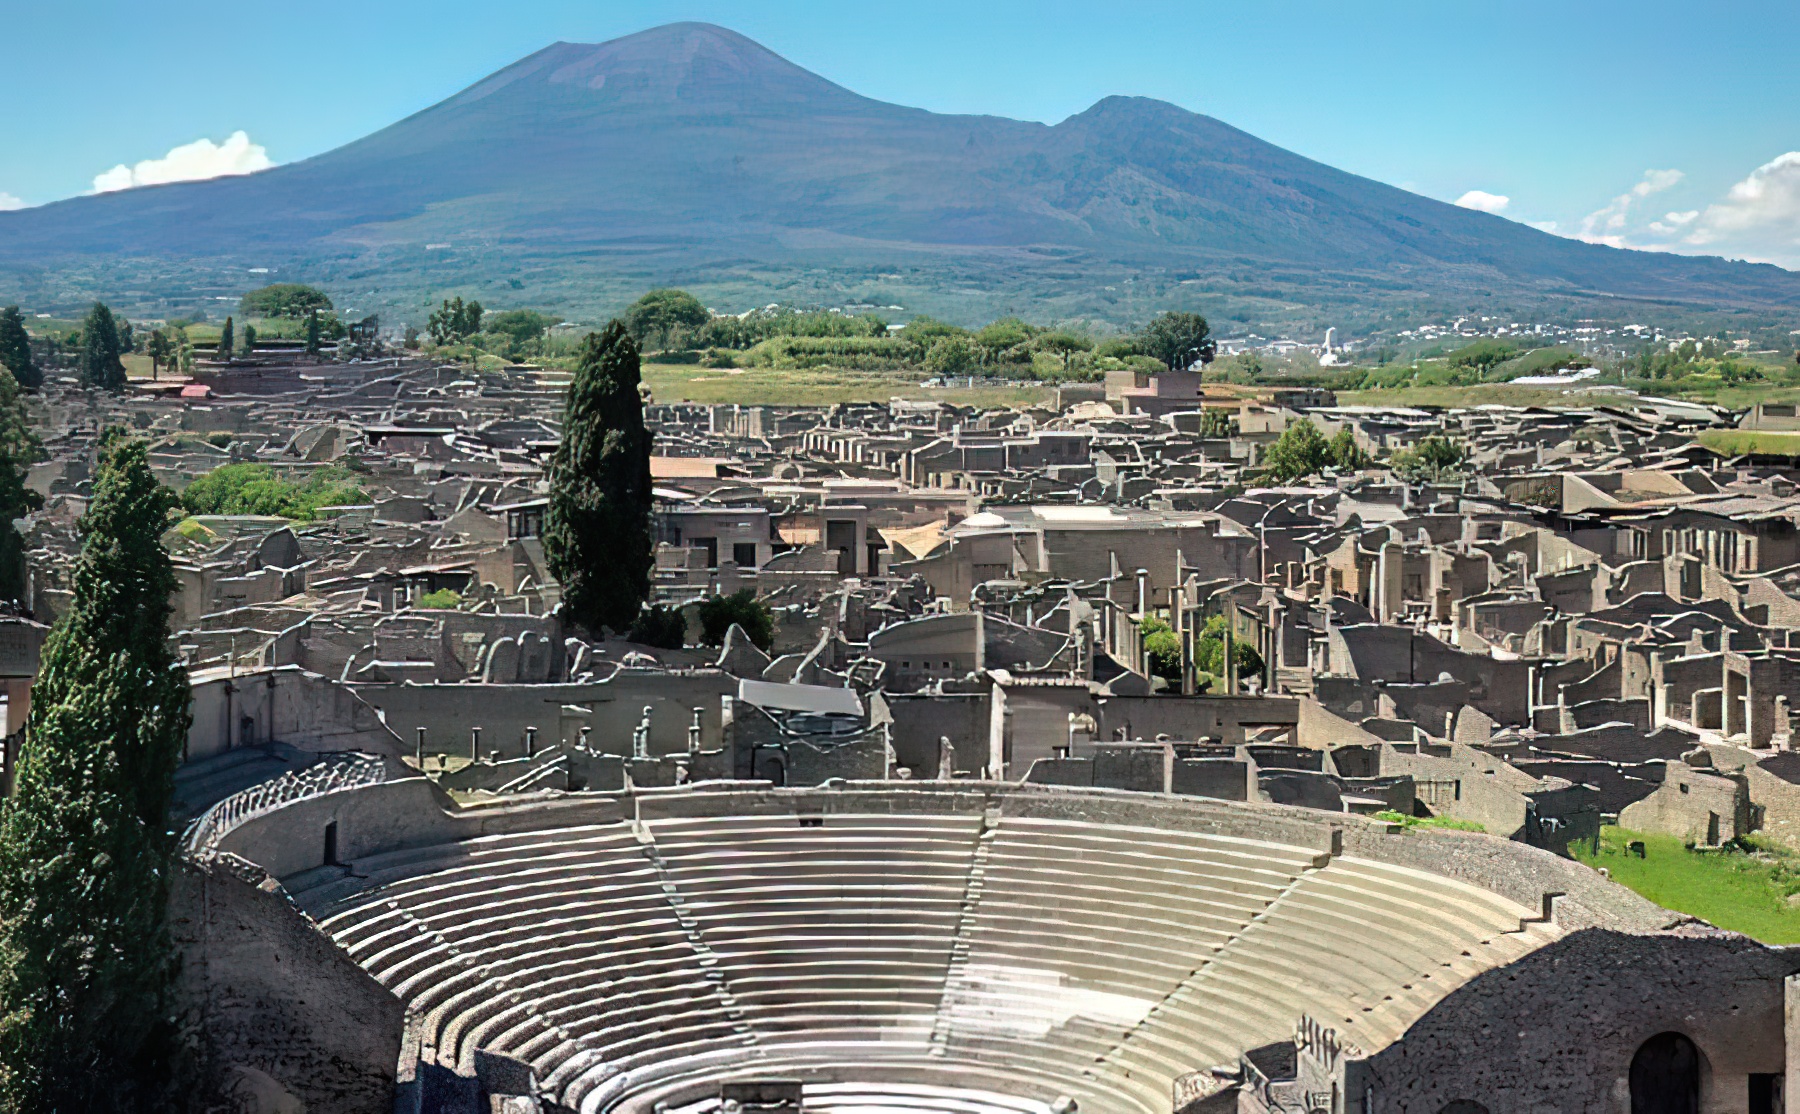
x=968, y=963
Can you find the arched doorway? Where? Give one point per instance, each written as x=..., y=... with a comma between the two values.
x=1665, y=1076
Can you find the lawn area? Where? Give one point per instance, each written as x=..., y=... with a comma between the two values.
x=1483, y=394
x=1734, y=442
x=818, y=387
x=1749, y=888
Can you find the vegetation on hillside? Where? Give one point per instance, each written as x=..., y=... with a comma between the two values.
x=86, y=849
x=677, y=328
x=1750, y=886
x=258, y=489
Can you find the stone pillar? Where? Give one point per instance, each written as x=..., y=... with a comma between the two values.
x=996, y=763
x=1387, y=579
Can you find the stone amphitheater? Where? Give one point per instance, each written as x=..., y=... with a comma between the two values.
x=971, y=948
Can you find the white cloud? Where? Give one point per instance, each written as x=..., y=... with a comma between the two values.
x=8, y=202
x=188, y=163
x=1673, y=223
x=1485, y=202
x=1607, y=226
x=1759, y=218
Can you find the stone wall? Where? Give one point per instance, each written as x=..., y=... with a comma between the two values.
x=447, y=712
x=1556, y=1031
x=276, y=1006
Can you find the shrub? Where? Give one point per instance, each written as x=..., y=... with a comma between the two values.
x=1161, y=647
x=444, y=599
x=1209, y=651
x=660, y=626
x=256, y=489
x=718, y=613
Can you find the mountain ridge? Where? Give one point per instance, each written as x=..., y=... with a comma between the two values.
x=686, y=147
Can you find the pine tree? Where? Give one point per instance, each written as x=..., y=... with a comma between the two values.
x=160, y=350
x=313, y=345
x=19, y=448
x=100, y=350
x=85, y=843
x=15, y=349
x=597, y=528
x=225, y=340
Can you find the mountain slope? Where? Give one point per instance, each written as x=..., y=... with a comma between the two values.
x=689, y=147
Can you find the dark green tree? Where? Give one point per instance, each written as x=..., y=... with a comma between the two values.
x=313, y=343
x=661, y=314
x=597, y=527
x=1300, y=451
x=15, y=349
x=1178, y=340
x=86, y=848
x=100, y=350
x=1346, y=454
x=953, y=355
x=1162, y=648
x=1063, y=345
x=19, y=448
x=1216, y=423
x=1434, y=458
x=454, y=321
x=160, y=349
x=226, y=340
x=522, y=328
x=283, y=299
x=249, y=342
x=659, y=626
x=718, y=613
x=1209, y=651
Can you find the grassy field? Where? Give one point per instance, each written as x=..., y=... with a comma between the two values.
x=1485, y=394
x=819, y=387
x=1734, y=442
x=1753, y=889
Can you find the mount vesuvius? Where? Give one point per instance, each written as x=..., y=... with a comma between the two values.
x=688, y=153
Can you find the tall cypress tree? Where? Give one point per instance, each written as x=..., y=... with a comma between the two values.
x=85, y=842
x=100, y=350
x=225, y=341
x=19, y=447
x=15, y=349
x=597, y=528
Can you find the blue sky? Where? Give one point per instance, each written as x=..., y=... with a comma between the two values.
x=1634, y=121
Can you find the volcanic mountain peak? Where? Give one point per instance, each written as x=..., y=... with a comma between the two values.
x=675, y=65
x=686, y=152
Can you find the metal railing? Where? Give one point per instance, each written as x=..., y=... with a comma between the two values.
x=333, y=775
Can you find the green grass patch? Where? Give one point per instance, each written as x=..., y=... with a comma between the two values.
x=1749, y=886
x=443, y=599
x=1737, y=442
x=820, y=386
x=1484, y=394
x=1445, y=823
x=256, y=489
